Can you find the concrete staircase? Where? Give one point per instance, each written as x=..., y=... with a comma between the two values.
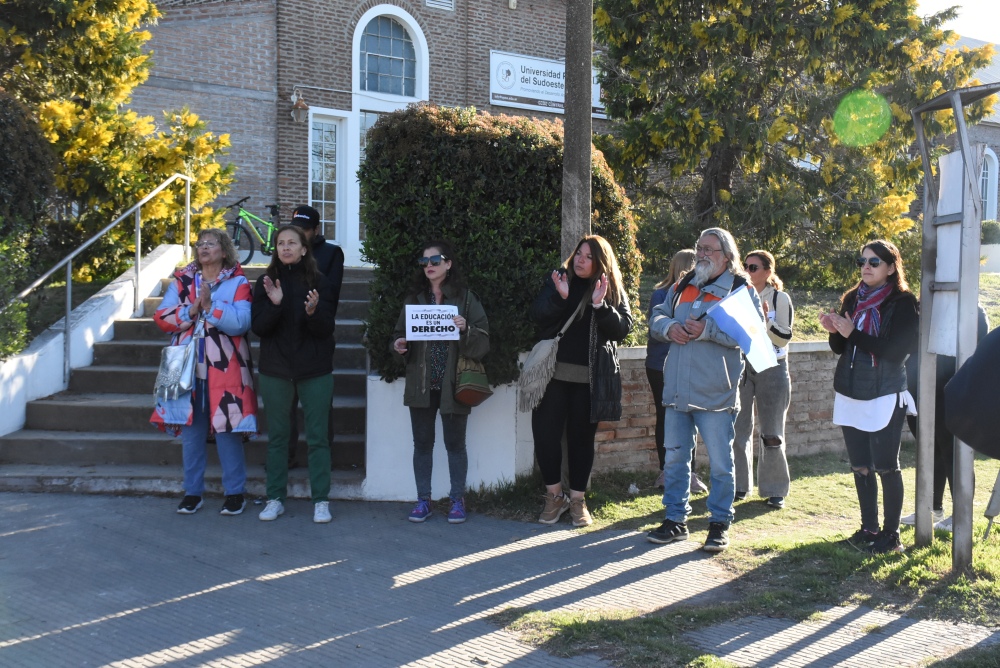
x=96, y=435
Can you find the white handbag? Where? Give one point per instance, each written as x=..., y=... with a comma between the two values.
x=539, y=367
x=176, y=374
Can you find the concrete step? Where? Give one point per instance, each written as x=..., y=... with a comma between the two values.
x=166, y=481
x=147, y=447
x=86, y=411
x=147, y=353
x=122, y=378
x=144, y=329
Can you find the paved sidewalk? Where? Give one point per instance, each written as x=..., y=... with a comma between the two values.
x=122, y=581
x=125, y=581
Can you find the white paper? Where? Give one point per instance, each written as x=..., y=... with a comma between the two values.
x=431, y=323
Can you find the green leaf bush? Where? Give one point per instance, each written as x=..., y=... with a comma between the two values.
x=491, y=185
x=990, y=232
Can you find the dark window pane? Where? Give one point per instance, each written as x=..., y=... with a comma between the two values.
x=397, y=48
x=408, y=51
x=397, y=30
x=317, y=191
x=385, y=46
x=396, y=68
x=396, y=86
x=410, y=70
x=385, y=26
x=372, y=82
x=330, y=173
x=410, y=87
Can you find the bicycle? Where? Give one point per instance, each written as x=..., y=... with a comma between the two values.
x=243, y=230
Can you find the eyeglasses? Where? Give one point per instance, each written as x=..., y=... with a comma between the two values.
x=705, y=250
x=206, y=244
x=433, y=260
x=873, y=262
x=751, y=267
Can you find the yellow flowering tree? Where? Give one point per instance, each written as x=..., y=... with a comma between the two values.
x=726, y=110
x=75, y=64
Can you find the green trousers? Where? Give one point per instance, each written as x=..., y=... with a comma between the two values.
x=315, y=395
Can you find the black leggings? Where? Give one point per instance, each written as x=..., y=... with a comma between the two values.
x=565, y=405
x=878, y=452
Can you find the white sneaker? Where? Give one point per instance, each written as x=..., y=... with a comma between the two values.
x=944, y=524
x=321, y=512
x=272, y=510
x=910, y=520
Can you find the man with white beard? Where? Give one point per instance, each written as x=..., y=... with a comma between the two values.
x=700, y=387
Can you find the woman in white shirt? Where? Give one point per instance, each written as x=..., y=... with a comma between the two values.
x=873, y=333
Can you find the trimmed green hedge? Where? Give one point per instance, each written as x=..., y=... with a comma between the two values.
x=491, y=185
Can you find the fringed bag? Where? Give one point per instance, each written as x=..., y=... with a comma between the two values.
x=539, y=368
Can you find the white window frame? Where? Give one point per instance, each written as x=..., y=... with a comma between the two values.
x=381, y=103
x=991, y=164
x=343, y=119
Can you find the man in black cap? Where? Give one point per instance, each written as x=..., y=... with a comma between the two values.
x=329, y=257
x=330, y=262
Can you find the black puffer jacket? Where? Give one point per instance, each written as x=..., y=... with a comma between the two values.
x=873, y=366
x=608, y=327
x=294, y=345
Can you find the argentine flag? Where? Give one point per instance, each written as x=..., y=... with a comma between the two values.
x=738, y=317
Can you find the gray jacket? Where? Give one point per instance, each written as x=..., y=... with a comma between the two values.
x=703, y=374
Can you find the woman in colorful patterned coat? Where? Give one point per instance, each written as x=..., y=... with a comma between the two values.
x=214, y=290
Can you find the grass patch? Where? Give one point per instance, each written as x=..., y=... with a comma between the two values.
x=784, y=563
x=989, y=297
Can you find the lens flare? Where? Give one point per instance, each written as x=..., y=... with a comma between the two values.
x=862, y=117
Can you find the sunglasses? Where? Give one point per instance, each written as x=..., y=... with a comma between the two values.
x=873, y=262
x=751, y=267
x=433, y=260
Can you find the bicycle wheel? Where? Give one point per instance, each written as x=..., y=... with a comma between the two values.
x=243, y=240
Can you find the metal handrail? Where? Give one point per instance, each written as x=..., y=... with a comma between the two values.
x=68, y=260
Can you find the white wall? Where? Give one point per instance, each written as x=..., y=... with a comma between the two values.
x=498, y=450
x=38, y=371
x=992, y=254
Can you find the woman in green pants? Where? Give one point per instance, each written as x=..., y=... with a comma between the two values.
x=293, y=314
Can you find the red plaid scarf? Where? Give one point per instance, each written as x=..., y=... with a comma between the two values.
x=866, y=315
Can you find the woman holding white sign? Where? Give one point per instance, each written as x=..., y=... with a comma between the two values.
x=431, y=360
x=587, y=292
x=874, y=331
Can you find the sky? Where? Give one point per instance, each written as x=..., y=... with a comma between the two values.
x=979, y=19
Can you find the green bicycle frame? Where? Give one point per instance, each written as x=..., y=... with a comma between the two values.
x=266, y=245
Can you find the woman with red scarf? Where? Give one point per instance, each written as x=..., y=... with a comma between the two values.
x=874, y=332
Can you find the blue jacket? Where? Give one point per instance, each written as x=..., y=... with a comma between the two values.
x=656, y=351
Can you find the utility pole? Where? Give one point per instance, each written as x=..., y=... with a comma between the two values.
x=578, y=136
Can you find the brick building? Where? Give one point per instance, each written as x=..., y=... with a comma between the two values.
x=240, y=63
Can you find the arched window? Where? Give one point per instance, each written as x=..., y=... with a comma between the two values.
x=988, y=185
x=388, y=60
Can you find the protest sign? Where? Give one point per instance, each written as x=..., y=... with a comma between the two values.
x=431, y=323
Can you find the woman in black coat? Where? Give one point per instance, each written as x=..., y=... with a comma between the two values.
x=586, y=388
x=293, y=314
x=875, y=330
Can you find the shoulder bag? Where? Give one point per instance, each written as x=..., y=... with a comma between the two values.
x=539, y=368
x=176, y=374
x=472, y=387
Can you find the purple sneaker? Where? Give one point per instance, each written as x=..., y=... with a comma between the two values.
x=421, y=511
x=457, y=513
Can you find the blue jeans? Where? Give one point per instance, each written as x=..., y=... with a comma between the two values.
x=422, y=421
x=194, y=438
x=717, y=431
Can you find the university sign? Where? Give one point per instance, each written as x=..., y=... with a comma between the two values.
x=524, y=82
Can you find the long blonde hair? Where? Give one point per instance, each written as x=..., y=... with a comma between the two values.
x=681, y=263
x=604, y=263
